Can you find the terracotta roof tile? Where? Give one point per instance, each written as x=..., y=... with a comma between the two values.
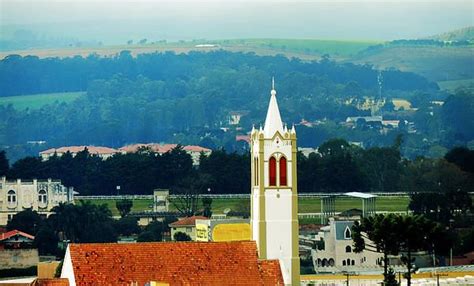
x=75, y=149
x=176, y=263
x=194, y=148
x=187, y=221
x=14, y=232
x=270, y=271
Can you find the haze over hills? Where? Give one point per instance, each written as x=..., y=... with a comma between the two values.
x=463, y=34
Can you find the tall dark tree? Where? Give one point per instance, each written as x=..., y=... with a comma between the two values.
x=4, y=165
x=28, y=221
x=124, y=207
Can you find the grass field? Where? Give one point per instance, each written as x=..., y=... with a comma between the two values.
x=452, y=85
x=309, y=46
x=35, y=101
x=306, y=205
x=303, y=48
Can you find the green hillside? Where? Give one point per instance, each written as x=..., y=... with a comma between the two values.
x=35, y=101
x=305, y=46
x=433, y=62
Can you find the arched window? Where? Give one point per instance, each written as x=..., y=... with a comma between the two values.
x=353, y=262
x=348, y=261
x=283, y=181
x=347, y=233
x=348, y=248
x=42, y=197
x=11, y=197
x=343, y=263
x=272, y=171
x=331, y=262
x=325, y=262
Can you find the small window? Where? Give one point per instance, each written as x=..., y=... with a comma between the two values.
x=331, y=262
x=11, y=196
x=353, y=262
x=9, y=217
x=189, y=229
x=343, y=263
x=348, y=248
x=347, y=233
x=272, y=171
x=42, y=197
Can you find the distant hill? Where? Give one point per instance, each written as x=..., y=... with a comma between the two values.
x=464, y=34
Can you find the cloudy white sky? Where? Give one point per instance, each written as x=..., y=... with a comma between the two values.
x=117, y=21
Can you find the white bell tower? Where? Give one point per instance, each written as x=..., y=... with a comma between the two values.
x=274, y=199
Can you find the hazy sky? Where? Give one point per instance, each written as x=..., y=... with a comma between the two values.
x=117, y=21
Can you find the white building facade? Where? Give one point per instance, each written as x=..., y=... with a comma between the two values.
x=38, y=195
x=274, y=200
x=335, y=252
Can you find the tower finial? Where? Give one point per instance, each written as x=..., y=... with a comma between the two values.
x=273, y=92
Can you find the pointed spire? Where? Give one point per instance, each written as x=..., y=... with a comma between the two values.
x=273, y=121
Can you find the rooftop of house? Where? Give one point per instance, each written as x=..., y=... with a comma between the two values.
x=76, y=149
x=13, y=233
x=187, y=221
x=176, y=263
x=161, y=148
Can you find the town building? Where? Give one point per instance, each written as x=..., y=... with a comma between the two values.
x=222, y=230
x=161, y=200
x=38, y=195
x=17, y=250
x=192, y=150
x=102, y=152
x=169, y=263
x=185, y=225
x=274, y=200
x=334, y=250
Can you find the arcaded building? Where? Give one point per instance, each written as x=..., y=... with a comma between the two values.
x=38, y=195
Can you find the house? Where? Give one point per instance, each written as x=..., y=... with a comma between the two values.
x=102, y=152
x=173, y=263
x=185, y=225
x=161, y=200
x=17, y=250
x=38, y=195
x=335, y=253
x=222, y=229
x=193, y=150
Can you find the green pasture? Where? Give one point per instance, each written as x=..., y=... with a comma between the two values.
x=306, y=205
x=311, y=46
x=35, y=101
x=452, y=85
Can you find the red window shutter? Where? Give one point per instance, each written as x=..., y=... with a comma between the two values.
x=283, y=171
x=272, y=171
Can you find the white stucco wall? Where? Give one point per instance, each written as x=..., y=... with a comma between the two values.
x=278, y=214
x=68, y=271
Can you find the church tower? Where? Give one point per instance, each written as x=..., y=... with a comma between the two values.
x=274, y=199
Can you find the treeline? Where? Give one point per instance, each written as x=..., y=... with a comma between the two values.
x=30, y=74
x=338, y=167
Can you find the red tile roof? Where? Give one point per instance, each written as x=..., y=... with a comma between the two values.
x=161, y=148
x=187, y=221
x=194, y=148
x=76, y=149
x=176, y=263
x=14, y=232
